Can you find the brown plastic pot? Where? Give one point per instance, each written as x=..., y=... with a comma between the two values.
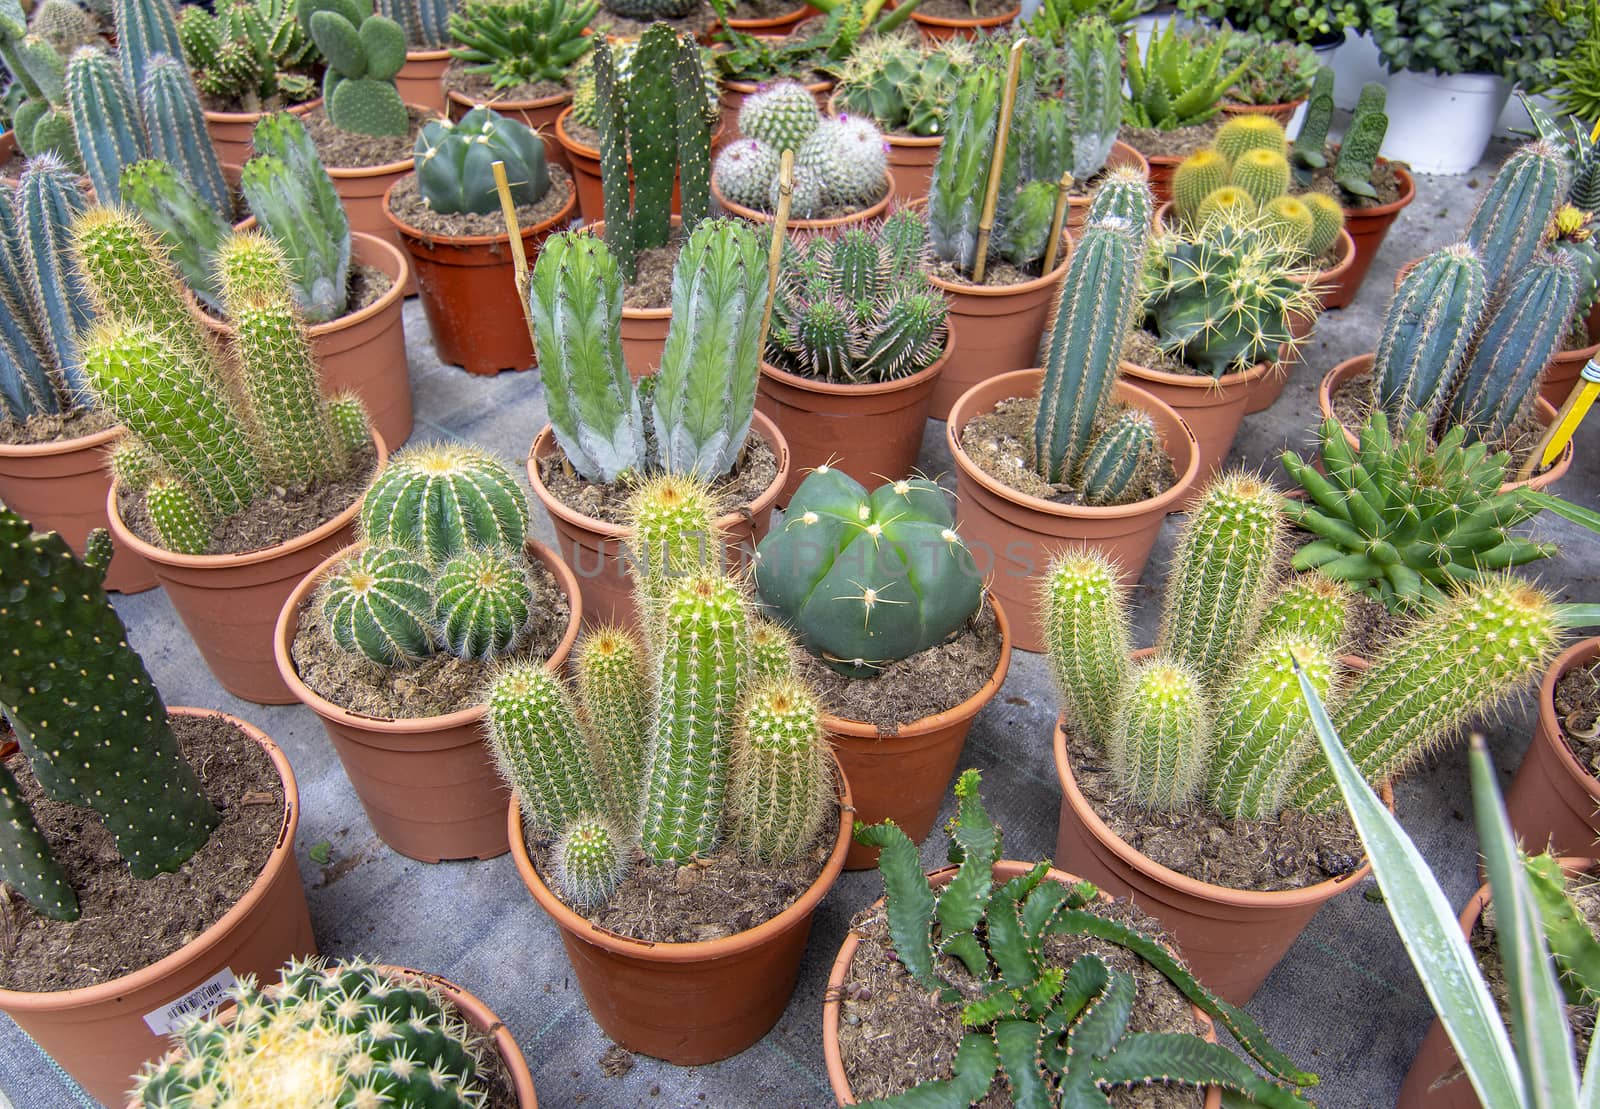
x=1436, y=1058
x=1013, y=535
x=1283, y=113
x=872, y=431
x=540, y=115
x=1212, y=407
x=1554, y=800
x=903, y=777
x=994, y=329
x=421, y=80
x=597, y=551
x=687, y=1003
x=428, y=784
x=935, y=28
x=1335, y=378
x=363, y=352
x=1230, y=938
x=1122, y=156
x=61, y=487
x=776, y=26
x=231, y=132
x=1162, y=167
x=1367, y=227
x=1562, y=372
x=98, y=1034
x=1004, y=871
x=863, y=215
x=469, y=291
x=230, y=602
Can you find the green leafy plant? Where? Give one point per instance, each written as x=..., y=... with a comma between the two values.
x=1282, y=21
x=901, y=83
x=454, y=162
x=846, y=24
x=1058, y=1035
x=1176, y=82
x=1519, y=40
x=252, y=54
x=364, y=51
x=524, y=41
x=1576, y=87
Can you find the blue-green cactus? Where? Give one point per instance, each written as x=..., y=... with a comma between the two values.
x=190, y=229
x=176, y=127
x=1427, y=334
x=454, y=162
x=105, y=118
x=145, y=28
x=1515, y=210
x=293, y=198
x=426, y=22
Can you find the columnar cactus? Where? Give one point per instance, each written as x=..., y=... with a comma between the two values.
x=1160, y=740
x=182, y=524
x=129, y=275
x=1121, y=459
x=1313, y=605
x=955, y=192
x=105, y=118
x=650, y=9
x=1091, y=95
x=673, y=535
x=1086, y=635
x=781, y=780
x=772, y=651
x=176, y=127
x=1428, y=332
x=613, y=687
x=364, y=51
x=1262, y=726
x=483, y=604
x=591, y=861
x=351, y=423
x=868, y=579
x=293, y=199
x=1515, y=210
x=190, y=229
x=454, y=162
x=379, y=602
x=145, y=28
x=426, y=22
x=535, y=734
x=327, y=1034
x=440, y=499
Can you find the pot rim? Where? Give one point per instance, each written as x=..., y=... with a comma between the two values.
x=102, y=438
x=580, y=927
x=454, y=96
x=754, y=25
x=1278, y=106
x=544, y=443
x=150, y=552
x=1117, y=145
x=1166, y=501
x=1380, y=211
x=1201, y=381
x=1032, y=285
x=1581, y=653
x=891, y=137
x=244, y=117
x=855, y=389
x=469, y=241
x=430, y=55
x=966, y=21
x=282, y=854
x=288, y=624
x=863, y=215
x=396, y=271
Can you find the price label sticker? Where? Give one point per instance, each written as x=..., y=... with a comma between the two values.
x=198, y=1002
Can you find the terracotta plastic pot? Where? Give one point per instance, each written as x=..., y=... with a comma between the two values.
x=903, y=777
x=731, y=94
x=231, y=131
x=1013, y=535
x=62, y=487
x=428, y=784
x=1004, y=871
x=98, y=1034
x=484, y=1021
x=421, y=80
x=8, y=153
x=687, y=1003
x=1437, y=1056
x=538, y=114
x=1162, y=167
x=1230, y=938
x=755, y=215
x=230, y=603
x=363, y=352
x=1212, y=407
x=1362, y=364
x=1283, y=113
x=871, y=431
x=597, y=551
x=1554, y=800
x=362, y=190
x=994, y=329
x=776, y=26
x=469, y=291
x=1562, y=373
x=936, y=28
x=1367, y=227
x=1122, y=156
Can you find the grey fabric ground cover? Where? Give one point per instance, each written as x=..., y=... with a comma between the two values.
x=1344, y=1003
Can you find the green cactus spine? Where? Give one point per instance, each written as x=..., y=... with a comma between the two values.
x=1327, y=220
x=181, y=523
x=1121, y=460
x=483, y=606
x=698, y=672
x=591, y=861
x=1086, y=637
x=1427, y=333
x=105, y=119
x=1313, y=606
x=145, y=29
x=454, y=162
x=351, y=424
x=1514, y=211
x=1242, y=134
x=1264, y=174
x=541, y=748
x=1310, y=145
x=190, y=229
x=439, y=499
x=1358, y=153
x=1197, y=177
x=771, y=652
x=379, y=603
x=48, y=200
x=781, y=787
x=293, y=198
x=1160, y=741
x=613, y=687
x=176, y=126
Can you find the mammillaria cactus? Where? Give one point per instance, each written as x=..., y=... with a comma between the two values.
x=440, y=499
x=293, y=199
x=454, y=162
x=868, y=579
x=326, y=1034
x=105, y=119
x=364, y=51
x=523, y=41
x=1175, y=82
x=781, y=114
x=252, y=53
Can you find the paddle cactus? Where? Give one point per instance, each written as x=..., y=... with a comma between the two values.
x=379, y=602
x=591, y=861
x=1085, y=612
x=781, y=782
x=866, y=580
x=1515, y=210
x=483, y=604
x=293, y=199
x=176, y=127
x=454, y=162
x=535, y=734
x=190, y=229
x=1160, y=741
x=440, y=499
x=105, y=119
x=364, y=51
x=1427, y=334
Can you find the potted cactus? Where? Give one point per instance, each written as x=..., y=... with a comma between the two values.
x=230, y=503
x=857, y=342
x=695, y=748
x=1207, y=736
x=1023, y=1018
x=426, y=23
x=1277, y=77
x=98, y=998
x=449, y=218
x=34, y=49
x=52, y=435
x=392, y=641
x=876, y=586
x=938, y=20
x=585, y=462
x=629, y=19
x=1071, y=454
x=343, y=1031
x=1556, y=794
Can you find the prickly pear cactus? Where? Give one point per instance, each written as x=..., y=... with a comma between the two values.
x=364, y=51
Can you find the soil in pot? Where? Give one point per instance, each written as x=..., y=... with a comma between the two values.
x=55, y=428
x=128, y=924
x=961, y=9
x=997, y=274
x=894, y=1035
x=697, y=23
x=1577, y=702
x=1000, y=443
x=1384, y=179
x=1179, y=143
x=479, y=87
x=350, y=150
x=407, y=204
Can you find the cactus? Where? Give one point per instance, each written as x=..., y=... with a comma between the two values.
x=127, y=273
x=745, y=171
x=252, y=268
x=1197, y=177
x=1121, y=460
x=868, y=580
x=535, y=735
x=902, y=84
x=849, y=157
x=591, y=861
x=1566, y=930
x=705, y=391
x=781, y=786
x=145, y=28
x=379, y=602
x=176, y=127
x=483, y=604
x=1313, y=605
x=575, y=310
x=352, y=426
x=1327, y=220
x=955, y=192
x=327, y=1034
x=251, y=54
x=1264, y=174
x=1427, y=333
x=364, y=52
x=132, y=465
x=293, y=199
x=1263, y=725
x=1226, y=203
x=1160, y=741
x=426, y=22
x=89, y=720
x=1461, y=657
x=62, y=24
x=454, y=162
x=782, y=114
x=771, y=652
x=439, y=499
x=181, y=523
x=673, y=535
x=1242, y=134
x=523, y=41
x=613, y=687
x=650, y=9
x=1291, y=218
x=1026, y=236
x=189, y=228
x=1358, y=153
x=1176, y=82
x=1092, y=94
x=1085, y=616
x=105, y=118
x=1515, y=210
x=36, y=59
x=1311, y=143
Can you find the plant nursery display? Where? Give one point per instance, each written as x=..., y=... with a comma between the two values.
x=249, y=57
x=166, y=787
x=1283, y=21
x=1277, y=75
x=805, y=53
x=1053, y=19
x=1050, y=989
x=35, y=50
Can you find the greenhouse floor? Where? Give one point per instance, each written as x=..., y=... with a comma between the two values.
x=1344, y=1002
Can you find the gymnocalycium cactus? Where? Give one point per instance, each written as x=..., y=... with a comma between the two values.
x=454, y=162
x=1176, y=82
x=1052, y=1032
x=867, y=580
x=252, y=54
x=523, y=41
x=328, y=1033
x=57, y=621
x=364, y=51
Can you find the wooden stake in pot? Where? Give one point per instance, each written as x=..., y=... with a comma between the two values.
x=1008, y=102
x=780, y=223
x=519, y=260
x=1056, y=220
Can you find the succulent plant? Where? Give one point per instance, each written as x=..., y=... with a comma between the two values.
x=1176, y=82
x=1358, y=152
x=252, y=53
x=190, y=229
x=613, y=688
x=176, y=127
x=327, y=1033
x=380, y=603
x=364, y=51
x=35, y=51
x=592, y=859
x=536, y=733
x=1310, y=604
x=1515, y=211
x=425, y=22
x=1566, y=931
x=673, y=535
x=293, y=199
x=522, y=41
x=145, y=29
x=781, y=782
x=105, y=119
x=901, y=83
x=651, y=10
x=1278, y=71
x=454, y=162
x=442, y=499
x=483, y=603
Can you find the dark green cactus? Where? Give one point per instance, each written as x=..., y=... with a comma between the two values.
x=1566, y=931
x=454, y=162
x=1310, y=144
x=1515, y=210
x=1427, y=334
x=364, y=51
x=145, y=28
x=176, y=127
x=293, y=199
x=57, y=620
x=439, y=499
x=37, y=64
x=1358, y=152
x=868, y=579
x=251, y=54
x=523, y=41
x=426, y=22
x=483, y=603
x=105, y=118
x=190, y=229
x=539, y=743
x=955, y=192
x=379, y=602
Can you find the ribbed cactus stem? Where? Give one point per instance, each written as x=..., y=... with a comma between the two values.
x=189, y=228
x=145, y=28
x=591, y=862
x=1160, y=741
x=1197, y=177
x=674, y=535
x=1121, y=459
x=105, y=118
x=293, y=198
x=782, y=785
x=380, y=604
x=1124, y=194
x=48, y=200
x=1086, y=635
x=1314, y=606
x=454, y=162
x=1427, y=333
x=176, y=126
x=438, y=499
x=128, y=275
x=280, y=384
x=955, y=192
x=132, y=465
x=772, y=651
x=1515, y=210
x=351, y=424
x=182, y=524
x=484, y=603
x=541, y=748
x=613, y=687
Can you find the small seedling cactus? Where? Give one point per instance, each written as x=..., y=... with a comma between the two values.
x=524, y=41
x=364, y=51
x=454, y=162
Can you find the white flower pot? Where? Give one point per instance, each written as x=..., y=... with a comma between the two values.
x=1441, y=124
x=1355, y=63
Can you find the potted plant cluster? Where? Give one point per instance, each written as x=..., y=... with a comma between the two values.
x=1283, y=21
x=1276, y=79
x=35, y=47
x=426, y=24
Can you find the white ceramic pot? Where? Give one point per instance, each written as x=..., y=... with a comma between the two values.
x=1441, y=124
x=1355, y=62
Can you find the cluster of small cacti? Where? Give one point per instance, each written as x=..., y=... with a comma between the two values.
x=675, y=742
x=523, y=41
x=1358, y=152
x=712, y=350
x=34, y=50
x=425, y=22
x=1177, y=81
x=364, y=51
x=252, y=54
x=454, y=162
x=858, y=307
x=340, y=1033
x=1215, y=712
x=868, y=579
x=444, y=568
x=838, y=162
x=903, y=84
x=149, y=362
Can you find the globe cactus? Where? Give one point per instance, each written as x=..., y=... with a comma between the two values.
x=454, y=162
x=1197, y=177
x=380, y=603
x=1242, y=134
x=850, y=155
x=483, y=603
x=440, y=499
x=1264, y=174
x=745, y=171
x=781, y=114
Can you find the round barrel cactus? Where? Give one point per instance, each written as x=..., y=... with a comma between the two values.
x=454, y=162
